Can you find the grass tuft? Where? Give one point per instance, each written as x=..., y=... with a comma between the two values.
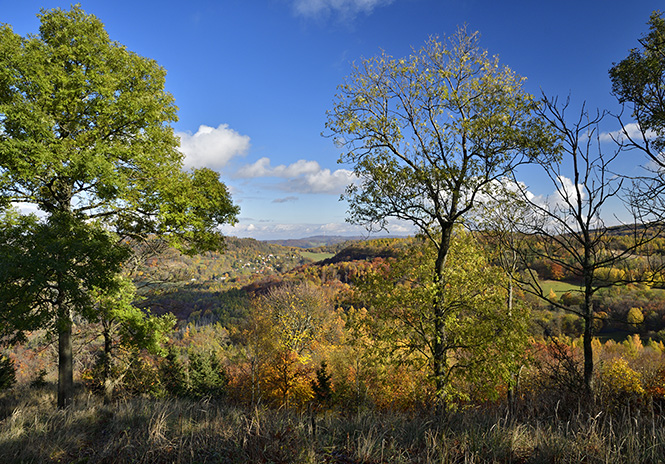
x=142, y=430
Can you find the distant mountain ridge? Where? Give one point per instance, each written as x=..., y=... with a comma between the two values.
x=317, y=241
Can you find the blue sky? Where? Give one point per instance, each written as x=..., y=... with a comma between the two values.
x=253, y=79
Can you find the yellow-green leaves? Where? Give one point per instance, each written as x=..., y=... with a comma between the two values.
x=445, y=114
x=481, y=338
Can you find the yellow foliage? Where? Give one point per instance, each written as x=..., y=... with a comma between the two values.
x=552, y=295
x=633, y=345
x=611, y=274
x=635, y=316
x=620, y=381
x=657, y=347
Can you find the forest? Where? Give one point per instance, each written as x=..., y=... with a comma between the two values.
x=508, y=328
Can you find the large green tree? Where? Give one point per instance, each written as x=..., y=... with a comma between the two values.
x=85, y=137
x=639, y=81
x=426, y=135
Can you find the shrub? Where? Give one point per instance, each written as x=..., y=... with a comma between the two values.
x=620, y=384
x=133, y=374
x=40, y=379
x=141, y=377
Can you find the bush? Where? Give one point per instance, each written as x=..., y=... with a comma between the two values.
x=322, y=386
x=40, y=380
x=133, y=375
x=203, y=377
x=141, y=377
x=620, y=384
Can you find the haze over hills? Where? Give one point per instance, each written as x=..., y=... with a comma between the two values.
x=325, y=240
x=316, y=241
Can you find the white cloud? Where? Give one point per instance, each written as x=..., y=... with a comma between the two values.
x=262, y=168
x=302, y=176
x=567, y=193
x=28, y=208
x=285, y=199
x=346, y=8
x=212, y=147
x=633, y=131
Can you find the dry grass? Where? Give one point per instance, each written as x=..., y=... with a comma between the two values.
x=177, y=431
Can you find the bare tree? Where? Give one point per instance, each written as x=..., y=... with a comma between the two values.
x=569, y=228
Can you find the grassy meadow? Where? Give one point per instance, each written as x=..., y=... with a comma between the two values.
x=142, y=430
x=559, y=287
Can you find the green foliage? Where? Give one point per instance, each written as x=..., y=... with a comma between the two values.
x=133, y=327
x=173, y=373
x=572, y=324
x=484, y=338
x=427, y=135
x=207, y=377
x=47, y=263
x=448, y=119
x=85, y=137
x=204, y=376
x=322, y=386
x=638, y=80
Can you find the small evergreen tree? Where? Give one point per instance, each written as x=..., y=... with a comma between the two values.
x=7, y=373
x=322, y=385
x=173, y=374
x=207, y=376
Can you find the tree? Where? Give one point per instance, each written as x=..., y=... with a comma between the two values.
x=639, y=80
x=482, y=336
x=495, y=219
x=85, y=137
x=426, y=135
x=126, y=329
x=50, y=268
x=7, y=372
x=568, y=229
x=301, y=320
x=634, y=318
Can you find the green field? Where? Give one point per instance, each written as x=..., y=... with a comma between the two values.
x=316, y=256
x=559, y=287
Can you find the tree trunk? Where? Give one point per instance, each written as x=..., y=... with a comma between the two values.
x=439, y=357
x=587, y=312
x=65, y=359
x=108, y=381
x=513, y=377
x=588, y=352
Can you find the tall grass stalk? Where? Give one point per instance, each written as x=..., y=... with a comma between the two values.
x=142, y=430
